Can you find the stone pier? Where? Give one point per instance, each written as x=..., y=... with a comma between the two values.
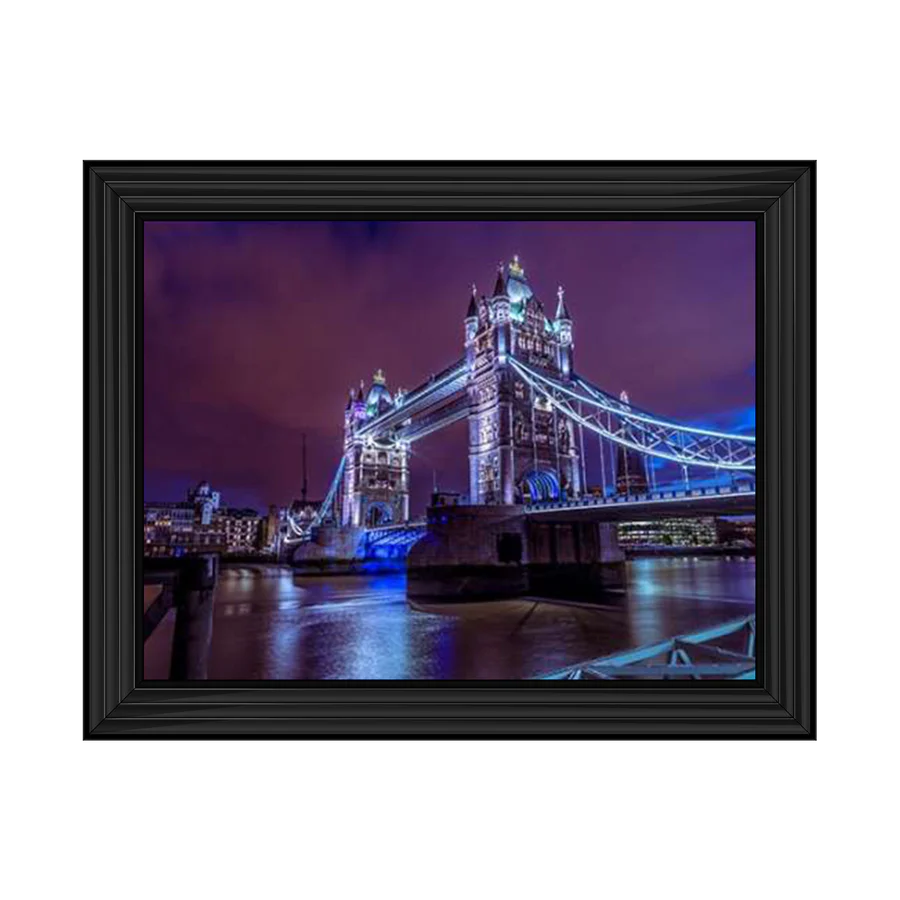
x=483, y=552
x=336, y=551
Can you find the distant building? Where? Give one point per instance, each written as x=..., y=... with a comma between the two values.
x=242, y=530
x=738, y=530
x=174, y=516
x=168, y=526
x=272, y=530
x=206, y=501
x=669, y=533
x=200, y=525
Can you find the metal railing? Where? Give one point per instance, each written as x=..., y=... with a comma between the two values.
x=694, y=656
x=664, y=495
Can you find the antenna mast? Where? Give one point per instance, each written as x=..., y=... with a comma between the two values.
x=304, y=469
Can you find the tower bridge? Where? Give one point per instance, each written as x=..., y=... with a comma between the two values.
x=531, y=418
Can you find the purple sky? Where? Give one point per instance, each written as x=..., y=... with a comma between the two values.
x=254, y=331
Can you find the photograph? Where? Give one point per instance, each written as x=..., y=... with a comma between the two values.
x=449, y=450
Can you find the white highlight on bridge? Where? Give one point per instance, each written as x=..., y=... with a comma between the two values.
x=651, y=499
x=740, y=450
x=603, y=400
x=301, y=534
x=665, y=439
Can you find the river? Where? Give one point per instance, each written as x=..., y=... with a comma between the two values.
x=271, y=624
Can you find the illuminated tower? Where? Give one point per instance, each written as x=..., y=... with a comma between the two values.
x=520, y=448
x=376, y=470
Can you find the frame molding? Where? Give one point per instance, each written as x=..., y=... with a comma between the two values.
x=120, y=196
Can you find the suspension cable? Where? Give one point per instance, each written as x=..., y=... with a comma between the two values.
x=693, y=456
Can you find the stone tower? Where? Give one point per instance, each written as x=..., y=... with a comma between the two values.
x=520, y=448
x=375, y=488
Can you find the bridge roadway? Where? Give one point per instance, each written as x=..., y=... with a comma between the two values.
x=439, y=402
x=710, y=501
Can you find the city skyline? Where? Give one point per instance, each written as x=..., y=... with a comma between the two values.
x=254, y=331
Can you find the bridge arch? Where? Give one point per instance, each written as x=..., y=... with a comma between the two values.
x=540, y=485
x=378, y=514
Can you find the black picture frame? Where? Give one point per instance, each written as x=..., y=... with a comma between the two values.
x=778, y=196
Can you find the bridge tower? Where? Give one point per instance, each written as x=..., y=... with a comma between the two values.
x=520, y=449
x=375, y=489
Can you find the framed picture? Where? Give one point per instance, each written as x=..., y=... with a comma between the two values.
x=459, y=450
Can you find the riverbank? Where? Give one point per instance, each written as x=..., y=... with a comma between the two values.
x=689, y=552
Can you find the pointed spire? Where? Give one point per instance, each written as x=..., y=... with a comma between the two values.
x=500, y=286
x=473, y=306
x=360, y=394
x=561, y=310
x=350, y=399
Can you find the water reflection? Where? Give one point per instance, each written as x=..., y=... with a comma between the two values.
x=269, y=624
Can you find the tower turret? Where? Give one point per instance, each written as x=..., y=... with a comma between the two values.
x=472, y=312
x=500, y=284
x=563, y=327
x=359, y=404
x=471, y=325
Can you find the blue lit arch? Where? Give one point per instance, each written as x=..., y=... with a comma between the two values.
x=378, y=514
x=541, y=486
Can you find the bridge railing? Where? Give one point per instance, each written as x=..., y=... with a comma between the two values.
x=726, y=651
x=662, y=494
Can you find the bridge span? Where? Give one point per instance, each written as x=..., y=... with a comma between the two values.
x=700, y=502
x=533, y=422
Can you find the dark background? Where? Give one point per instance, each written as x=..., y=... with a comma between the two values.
x=254, y=331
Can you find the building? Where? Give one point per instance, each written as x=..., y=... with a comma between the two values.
x=737, y=530
x=700, y=532
x=272, y=530
x=168, y=527
x=206, y=501
x=177, y=516
x=200, y=524
x=241, y=530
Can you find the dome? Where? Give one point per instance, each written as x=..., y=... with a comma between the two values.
x=518, y=290
x=379, y=399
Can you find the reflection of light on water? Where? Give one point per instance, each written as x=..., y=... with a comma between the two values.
x=235, y=609
x=671, y=596
x=645, y=590
x=277, y=625
x=374, y=627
